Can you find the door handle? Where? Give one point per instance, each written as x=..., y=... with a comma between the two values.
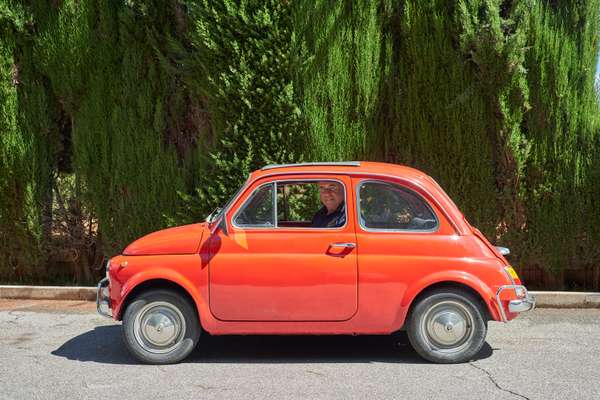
x=346, y=245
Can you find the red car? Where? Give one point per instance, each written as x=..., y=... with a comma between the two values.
x=322, y=248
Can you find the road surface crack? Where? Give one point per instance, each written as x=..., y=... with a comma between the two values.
x=493, y=380
x=204, y=387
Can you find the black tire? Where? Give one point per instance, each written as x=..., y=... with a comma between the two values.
x=447, y=326
x=160, y=327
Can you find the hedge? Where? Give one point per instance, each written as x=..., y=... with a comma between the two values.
x=120, y=118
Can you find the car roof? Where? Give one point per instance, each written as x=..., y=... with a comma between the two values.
x=366, y=168
x=352, y=167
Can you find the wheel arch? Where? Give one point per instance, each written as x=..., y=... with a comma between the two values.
x=458, y=281
x=154, y=284
x=451, y=285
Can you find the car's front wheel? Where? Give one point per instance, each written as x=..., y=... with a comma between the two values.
x=160, y=327
x=447, y=326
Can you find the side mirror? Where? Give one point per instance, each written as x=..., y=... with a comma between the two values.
x=213, y=215
x=217, y=221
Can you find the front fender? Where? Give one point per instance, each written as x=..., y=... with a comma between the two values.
x=162, y=274
x=453, y=276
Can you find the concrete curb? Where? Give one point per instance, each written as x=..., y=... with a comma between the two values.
x=544, y=299
x=567, y=299
x=47, y=292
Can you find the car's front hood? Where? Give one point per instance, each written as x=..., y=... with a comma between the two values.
x=179, y=240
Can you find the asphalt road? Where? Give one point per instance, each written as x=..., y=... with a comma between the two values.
x=62, y=350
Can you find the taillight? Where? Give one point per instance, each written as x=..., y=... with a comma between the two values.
x=512, y=273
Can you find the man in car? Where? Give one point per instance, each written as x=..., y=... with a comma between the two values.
x=333, y=212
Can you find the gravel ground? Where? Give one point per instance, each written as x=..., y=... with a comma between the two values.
x=60, y=350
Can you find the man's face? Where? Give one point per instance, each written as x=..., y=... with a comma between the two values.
x=332, y=195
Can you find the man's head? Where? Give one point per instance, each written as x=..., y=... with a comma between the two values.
x=332, y=195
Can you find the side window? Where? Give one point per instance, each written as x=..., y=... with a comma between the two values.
x=311, y=204
x=387, y=206
x=297, y=201
x=258, y=211
x=299, y=204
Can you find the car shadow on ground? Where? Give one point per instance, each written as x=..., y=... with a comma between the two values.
x=104, y=344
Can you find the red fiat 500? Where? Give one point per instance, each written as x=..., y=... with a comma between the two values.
x=323, y=248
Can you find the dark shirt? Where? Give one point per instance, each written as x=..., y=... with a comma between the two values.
x=333, y=220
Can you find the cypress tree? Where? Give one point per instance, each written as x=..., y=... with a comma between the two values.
x=562, y=127
x=339, y=80
x=114, y=130
x=243, y=62
x=19, y=250
x=119, y=118
x=433, y=112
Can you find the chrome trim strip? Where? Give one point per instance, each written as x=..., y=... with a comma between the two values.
x=315, y=164
x=526, y=303
x=375, y=230
x=275, y=204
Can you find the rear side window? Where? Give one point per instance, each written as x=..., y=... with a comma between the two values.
x=391, y=207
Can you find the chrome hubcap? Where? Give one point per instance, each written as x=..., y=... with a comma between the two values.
x=159, y=327
x=448, y=326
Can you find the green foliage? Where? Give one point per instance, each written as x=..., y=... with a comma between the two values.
x=119, y=118
x=243, y=53
x=17, y=252
x=434, y=114
x=339, y=81
x=493, y=98
x=494, y=41
x=135, y=131
x=101, y=98
x=561, y=178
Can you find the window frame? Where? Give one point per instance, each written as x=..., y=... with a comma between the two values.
x=435, y=229
x=275, y=210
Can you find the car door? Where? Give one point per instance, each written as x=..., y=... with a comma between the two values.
x=266, y=269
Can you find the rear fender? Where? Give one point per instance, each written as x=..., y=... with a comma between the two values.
x=451, y=276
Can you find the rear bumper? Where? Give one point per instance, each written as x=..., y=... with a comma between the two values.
x=103, y=299
x=524, y=302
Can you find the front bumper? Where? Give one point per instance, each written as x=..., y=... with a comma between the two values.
x=524, y=302
x=103, y=299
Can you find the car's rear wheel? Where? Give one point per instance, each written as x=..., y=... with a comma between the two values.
x=447, y=326
x=160, y=327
